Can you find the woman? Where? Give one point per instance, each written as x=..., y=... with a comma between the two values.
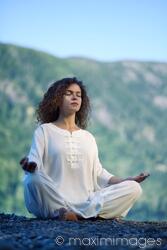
x=63, y=175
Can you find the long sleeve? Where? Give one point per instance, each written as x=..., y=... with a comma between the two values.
x=36, y=152
x=101, y=175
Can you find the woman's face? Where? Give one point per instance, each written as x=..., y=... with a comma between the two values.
x=71, y=99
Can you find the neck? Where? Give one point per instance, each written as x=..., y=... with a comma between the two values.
x=66, y=121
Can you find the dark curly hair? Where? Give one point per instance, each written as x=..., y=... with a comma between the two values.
x=48, y=108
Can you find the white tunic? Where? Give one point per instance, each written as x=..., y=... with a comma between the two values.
x=71, y=160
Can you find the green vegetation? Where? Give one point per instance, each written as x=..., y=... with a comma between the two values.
x=129, y=117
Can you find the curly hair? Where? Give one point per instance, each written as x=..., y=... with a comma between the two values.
x=48, y=109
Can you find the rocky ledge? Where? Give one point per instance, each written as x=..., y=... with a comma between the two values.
x=18, y=232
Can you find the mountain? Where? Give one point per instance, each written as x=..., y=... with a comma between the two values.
x=129, y=117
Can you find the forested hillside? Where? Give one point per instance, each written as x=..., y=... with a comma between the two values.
x=129, y=119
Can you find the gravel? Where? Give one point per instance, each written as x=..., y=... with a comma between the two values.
x=19, y=232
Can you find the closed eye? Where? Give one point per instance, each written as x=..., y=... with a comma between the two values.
x=69, y=92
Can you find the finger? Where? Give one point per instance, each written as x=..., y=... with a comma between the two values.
x=23, y=160
x=28, y=168
x=32, y=166
x=142, y=178
x=146, y=174
x=25, y=166
x=31, y=170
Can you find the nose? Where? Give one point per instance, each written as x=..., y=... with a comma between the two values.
x=74, y=96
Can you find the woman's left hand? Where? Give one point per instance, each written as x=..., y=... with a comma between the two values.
x=141, y=177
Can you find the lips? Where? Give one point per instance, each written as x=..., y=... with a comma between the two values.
x=74, y=103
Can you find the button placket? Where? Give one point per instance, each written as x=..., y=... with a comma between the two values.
x=73, y=151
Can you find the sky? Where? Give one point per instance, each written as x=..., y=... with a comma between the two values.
x=104, y=30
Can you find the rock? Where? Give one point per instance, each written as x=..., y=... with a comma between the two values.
x=19, y=232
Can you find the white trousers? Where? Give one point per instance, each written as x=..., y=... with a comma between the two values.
x=42, y=200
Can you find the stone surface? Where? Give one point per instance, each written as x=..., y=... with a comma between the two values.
x=18, y=232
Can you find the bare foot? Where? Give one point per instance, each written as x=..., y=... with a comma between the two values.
x=118, y=219
x=65, y=214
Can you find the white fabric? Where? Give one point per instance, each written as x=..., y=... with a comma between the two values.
x=69, y=174
x=43, y=201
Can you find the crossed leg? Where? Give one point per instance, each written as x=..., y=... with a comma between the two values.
x=43, y=201
x=119, y=198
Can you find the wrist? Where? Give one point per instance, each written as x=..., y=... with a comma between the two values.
x=130, y=178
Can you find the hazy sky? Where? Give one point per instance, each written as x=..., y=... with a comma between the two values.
x=105, y=30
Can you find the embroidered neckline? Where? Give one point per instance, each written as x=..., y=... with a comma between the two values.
x=65, y=130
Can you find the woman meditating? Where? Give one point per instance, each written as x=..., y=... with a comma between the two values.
x=64, y=178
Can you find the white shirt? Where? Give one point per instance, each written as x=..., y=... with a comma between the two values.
x=70, y=159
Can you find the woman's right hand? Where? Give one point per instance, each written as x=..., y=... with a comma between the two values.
x=28, y=166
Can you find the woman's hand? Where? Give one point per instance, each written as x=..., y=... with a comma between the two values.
x=141, y=177
x=28, y=166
